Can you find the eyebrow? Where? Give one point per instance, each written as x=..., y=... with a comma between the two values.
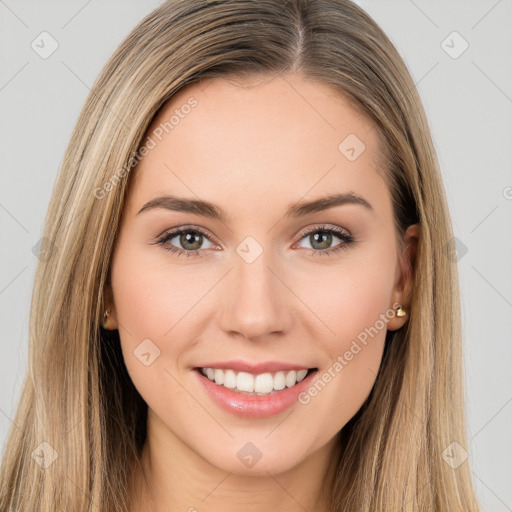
x=208, y=209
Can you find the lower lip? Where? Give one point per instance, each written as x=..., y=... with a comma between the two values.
x=254, y=406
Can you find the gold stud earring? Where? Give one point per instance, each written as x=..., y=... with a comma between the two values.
x=105, y=318
x=400, y=312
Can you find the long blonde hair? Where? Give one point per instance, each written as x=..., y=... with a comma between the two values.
x=77, y=395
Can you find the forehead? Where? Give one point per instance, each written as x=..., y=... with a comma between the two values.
x=273, y=138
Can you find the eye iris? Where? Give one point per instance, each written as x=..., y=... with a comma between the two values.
x=187, y=237
x=326, y=239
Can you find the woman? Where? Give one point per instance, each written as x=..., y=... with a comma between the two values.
x=305, y=353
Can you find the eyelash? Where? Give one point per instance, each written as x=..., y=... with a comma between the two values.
x=346, y=237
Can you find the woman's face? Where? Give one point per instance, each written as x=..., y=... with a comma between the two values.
x=259, y=282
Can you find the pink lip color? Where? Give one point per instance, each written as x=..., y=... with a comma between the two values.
x=254, y=406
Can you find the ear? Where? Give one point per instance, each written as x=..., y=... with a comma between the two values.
x=402, y=291
x=108, y=302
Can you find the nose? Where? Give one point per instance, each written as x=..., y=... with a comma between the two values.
x=255, y=299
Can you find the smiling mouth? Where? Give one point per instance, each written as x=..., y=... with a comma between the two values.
x=255, y=385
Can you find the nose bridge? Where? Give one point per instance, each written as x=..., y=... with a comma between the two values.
x=255, y=303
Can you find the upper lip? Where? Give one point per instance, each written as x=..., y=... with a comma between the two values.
x=255, y=368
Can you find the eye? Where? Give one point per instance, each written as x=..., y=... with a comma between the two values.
x=190, y=240
x=321, y=239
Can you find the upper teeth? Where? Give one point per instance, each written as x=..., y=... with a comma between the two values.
x=263, y=383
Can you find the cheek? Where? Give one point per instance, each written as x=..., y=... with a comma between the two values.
x=154, y=306
x=153, y=300
x=351, y=298
x=354, y=308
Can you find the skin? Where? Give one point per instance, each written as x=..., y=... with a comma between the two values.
x=254, y=148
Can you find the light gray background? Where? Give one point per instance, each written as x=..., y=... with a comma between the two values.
x=468, y=100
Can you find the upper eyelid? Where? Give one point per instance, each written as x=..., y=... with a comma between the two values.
x=323, y=227
x=178, y=230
